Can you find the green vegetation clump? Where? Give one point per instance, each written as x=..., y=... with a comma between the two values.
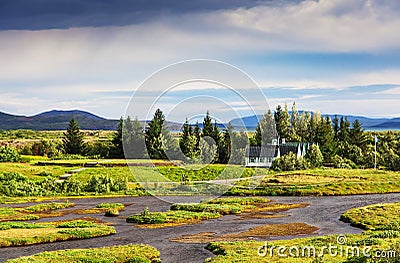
x=48, y=206
x=212, y=208
x=117, y=206
x=25, y=213
x=178, y=217
x=8, y=154
x=192, y=213
x=77, y=224
x=115, y=254
x=374, y=217
x=111, y=212
x=235, y=200
x=16, y=234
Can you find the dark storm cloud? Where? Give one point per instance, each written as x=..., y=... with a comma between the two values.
x=49, y=14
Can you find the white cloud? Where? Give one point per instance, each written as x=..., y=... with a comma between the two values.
x=325, y=25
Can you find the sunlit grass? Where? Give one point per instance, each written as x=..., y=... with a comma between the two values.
x=115, y=254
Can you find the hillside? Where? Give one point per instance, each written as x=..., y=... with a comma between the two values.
x=59, y=120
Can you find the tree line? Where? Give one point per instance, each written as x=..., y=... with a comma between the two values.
x=342, y=144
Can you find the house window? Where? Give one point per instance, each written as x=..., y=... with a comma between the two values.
x=252, y=159
x=262, y=159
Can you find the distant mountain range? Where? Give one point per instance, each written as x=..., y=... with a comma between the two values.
x=59, y=120
x=251, y=122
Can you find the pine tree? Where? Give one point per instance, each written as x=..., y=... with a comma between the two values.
x=216, y=135
x=315, y=122
x=357, y=136
x=154, y=136
x=136, y=145
x=325, y=138
x=207, y=125
x=304, y=127
x=294, y=124
x=265, y=131
x=117, y=150
x=344, y=131
x=185, y=139
x=282, y=121
x=226, y=146
x=73, y=138
x=336, y=127
x=197, y=134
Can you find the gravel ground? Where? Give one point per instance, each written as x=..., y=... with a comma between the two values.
x=323, y=212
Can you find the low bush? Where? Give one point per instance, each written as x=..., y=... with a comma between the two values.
x=77, y=224
x=8, y=154
x=212, y=208
x=112, y=212
x=117, y=206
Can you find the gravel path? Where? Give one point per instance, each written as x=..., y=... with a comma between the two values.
x=323, y=212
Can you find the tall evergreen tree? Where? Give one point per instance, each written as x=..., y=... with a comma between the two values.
x=336, y=127
x=357, y=136
x=265, y=131
x=136, y=144
x=186, y=138
x=73, y=138
x=197, y=134
x=325, y=138
x=207, y=125
x=154, y=136
x=304, y=126
x=315, y=122
x=282, y=121
x=294, y=124
x=226, y=146
x=344, y=131
x=216, y=135
x=117, y=150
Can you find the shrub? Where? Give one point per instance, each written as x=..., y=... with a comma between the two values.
x=289, y=162
x=212, y=208
x=117, y=206
x=44, y=173
x=8, y=154
x=77, y=224
x=314, y=156
x=146, y=217
x=112, y=212
x=106, y=184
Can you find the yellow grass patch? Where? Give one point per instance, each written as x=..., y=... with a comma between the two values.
x=290, y=229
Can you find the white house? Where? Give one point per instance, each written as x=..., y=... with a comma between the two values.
x=263, y=156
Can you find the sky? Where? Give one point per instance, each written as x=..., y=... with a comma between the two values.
x=117, y=58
